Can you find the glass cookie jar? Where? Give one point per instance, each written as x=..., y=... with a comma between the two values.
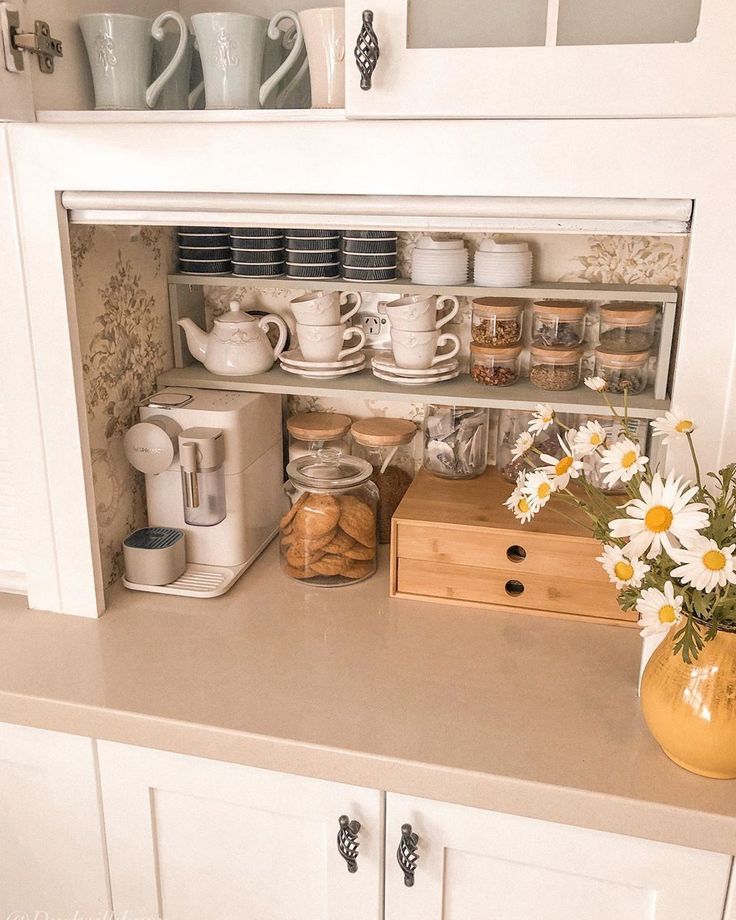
x=622, y=371
x=455, y=441
x=627, y=326
x=313, y=431
x=387, y=444
x=555, y=368
x=328, y=537
x=497, y=321
x=559, y=323
x=494, y=367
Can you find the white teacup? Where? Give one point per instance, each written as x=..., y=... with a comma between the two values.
x=324, y=343
x=325, y=308
x=420, y=313
x=418, y=350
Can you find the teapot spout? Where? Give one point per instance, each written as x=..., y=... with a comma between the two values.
x=196, y=338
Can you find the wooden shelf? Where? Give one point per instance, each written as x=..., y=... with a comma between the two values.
x=571, y=290
x=462, y=391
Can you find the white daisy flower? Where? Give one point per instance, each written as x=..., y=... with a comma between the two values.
x=670, y=427
x=622, y=571
x=705, y=565
x=621, y=462
x=588, y=438
x=562, y=469
x=662, y=519
x=543, y=417
x=522, y=444
x=538, y=489
x=519, y=504
x=658, y=610
x=596, y=383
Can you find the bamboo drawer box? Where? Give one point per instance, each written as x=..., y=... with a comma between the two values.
x=453, y=541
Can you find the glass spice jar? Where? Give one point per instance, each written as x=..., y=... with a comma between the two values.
x=559, y=322
x=386, y=443
x=622, y=371
x=555, y=368
x=497, y=320
x=512, y=423
x=313, y=431
x=328, y=537
x=494, y=367
x=455, y=441
x=627, y=326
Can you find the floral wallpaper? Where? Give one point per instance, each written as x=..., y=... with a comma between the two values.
x=123, y=315
x=120, y=283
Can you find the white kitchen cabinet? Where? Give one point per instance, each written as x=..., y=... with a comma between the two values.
x=475, y=864
x=52, y=860
x=545, y=58
x=189, y=837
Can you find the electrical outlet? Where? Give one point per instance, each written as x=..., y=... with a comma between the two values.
x=373, y=321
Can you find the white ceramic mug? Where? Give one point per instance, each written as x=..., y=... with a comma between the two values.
x=418, y=350
x=420, y=313
x=324, y=343
x=324, y=36
x=324, y=308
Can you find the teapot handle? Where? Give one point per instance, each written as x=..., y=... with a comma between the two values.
x=272, y=320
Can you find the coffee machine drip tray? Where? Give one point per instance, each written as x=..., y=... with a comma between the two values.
x=197, y=581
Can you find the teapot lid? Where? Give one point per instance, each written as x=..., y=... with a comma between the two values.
x=235, y=315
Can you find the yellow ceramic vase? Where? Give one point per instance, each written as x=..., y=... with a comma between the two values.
x=691, y=708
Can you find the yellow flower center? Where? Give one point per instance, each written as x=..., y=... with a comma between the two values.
x=684, y=426
x=596, y=439
x=623, y=571
x=714, y=560
x=523, y=506
x=666, y=614
x=563, y=466
x=628, y=459
x=658, y=519
x=543, y=490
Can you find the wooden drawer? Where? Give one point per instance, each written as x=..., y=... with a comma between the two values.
x=509, y=587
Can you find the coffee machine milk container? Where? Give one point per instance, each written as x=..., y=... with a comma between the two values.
x=213, y=466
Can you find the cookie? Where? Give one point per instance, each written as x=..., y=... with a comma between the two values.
x=300, y=557
x=340, y=543
x=300, y=573
x=311, y=544
x=357, y=520
x=316, y=517
x=329, y=565
x=357, y=569
x=286, y=520
x=359, y=552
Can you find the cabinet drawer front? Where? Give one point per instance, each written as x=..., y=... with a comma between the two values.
x=508, y=587
x=537, y=554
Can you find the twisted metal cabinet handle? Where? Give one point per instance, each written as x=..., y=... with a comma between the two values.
x=367, y=51
x=407, y=855
x=347, y=842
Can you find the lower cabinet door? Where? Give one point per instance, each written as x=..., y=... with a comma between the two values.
x=190, y=838
x=52, y=857
x=474, y=865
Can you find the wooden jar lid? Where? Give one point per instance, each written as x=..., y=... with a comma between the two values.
x=628, y=314
x=496, y=351
x=498, y=306
x=383, y=432
x=565, y=309
x=318, y=426
x=556, y=354
x=621, y=358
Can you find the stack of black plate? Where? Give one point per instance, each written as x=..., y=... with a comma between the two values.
x=369, y=255
x=204, y=250
x=312, y=254
x=257, y=252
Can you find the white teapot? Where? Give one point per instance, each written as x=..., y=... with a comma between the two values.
x=238, y=345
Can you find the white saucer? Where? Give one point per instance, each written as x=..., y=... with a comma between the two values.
x=389, y=366
x=415, y=381
x=295, y=358
x=301, y=372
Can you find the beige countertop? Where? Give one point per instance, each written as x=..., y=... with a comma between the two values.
x=527, y=715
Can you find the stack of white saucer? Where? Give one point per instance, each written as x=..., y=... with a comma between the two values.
x=503, y=264
x=439, y=262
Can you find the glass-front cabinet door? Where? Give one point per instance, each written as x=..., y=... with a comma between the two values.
x=542, y=58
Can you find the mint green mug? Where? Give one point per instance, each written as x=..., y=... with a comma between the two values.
x=120, y=52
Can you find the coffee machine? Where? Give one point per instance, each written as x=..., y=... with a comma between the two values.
x=213, y=464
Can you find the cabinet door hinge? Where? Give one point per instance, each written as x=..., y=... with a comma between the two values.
x=39, y=42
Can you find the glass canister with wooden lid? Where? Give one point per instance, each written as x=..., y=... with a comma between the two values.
x=627, y=327
x=623, y=371
x=313, y=431
x=559, y=323
x=387, y=444
x=497, y=321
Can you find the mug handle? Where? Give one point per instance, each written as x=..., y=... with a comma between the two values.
x=288, y=43
x=270, y=319
x=441, y=301
x=274, y=33
x=157, y=31
x=195, y=94
x=348, y=334
x=344, y=299
x=444, y=338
